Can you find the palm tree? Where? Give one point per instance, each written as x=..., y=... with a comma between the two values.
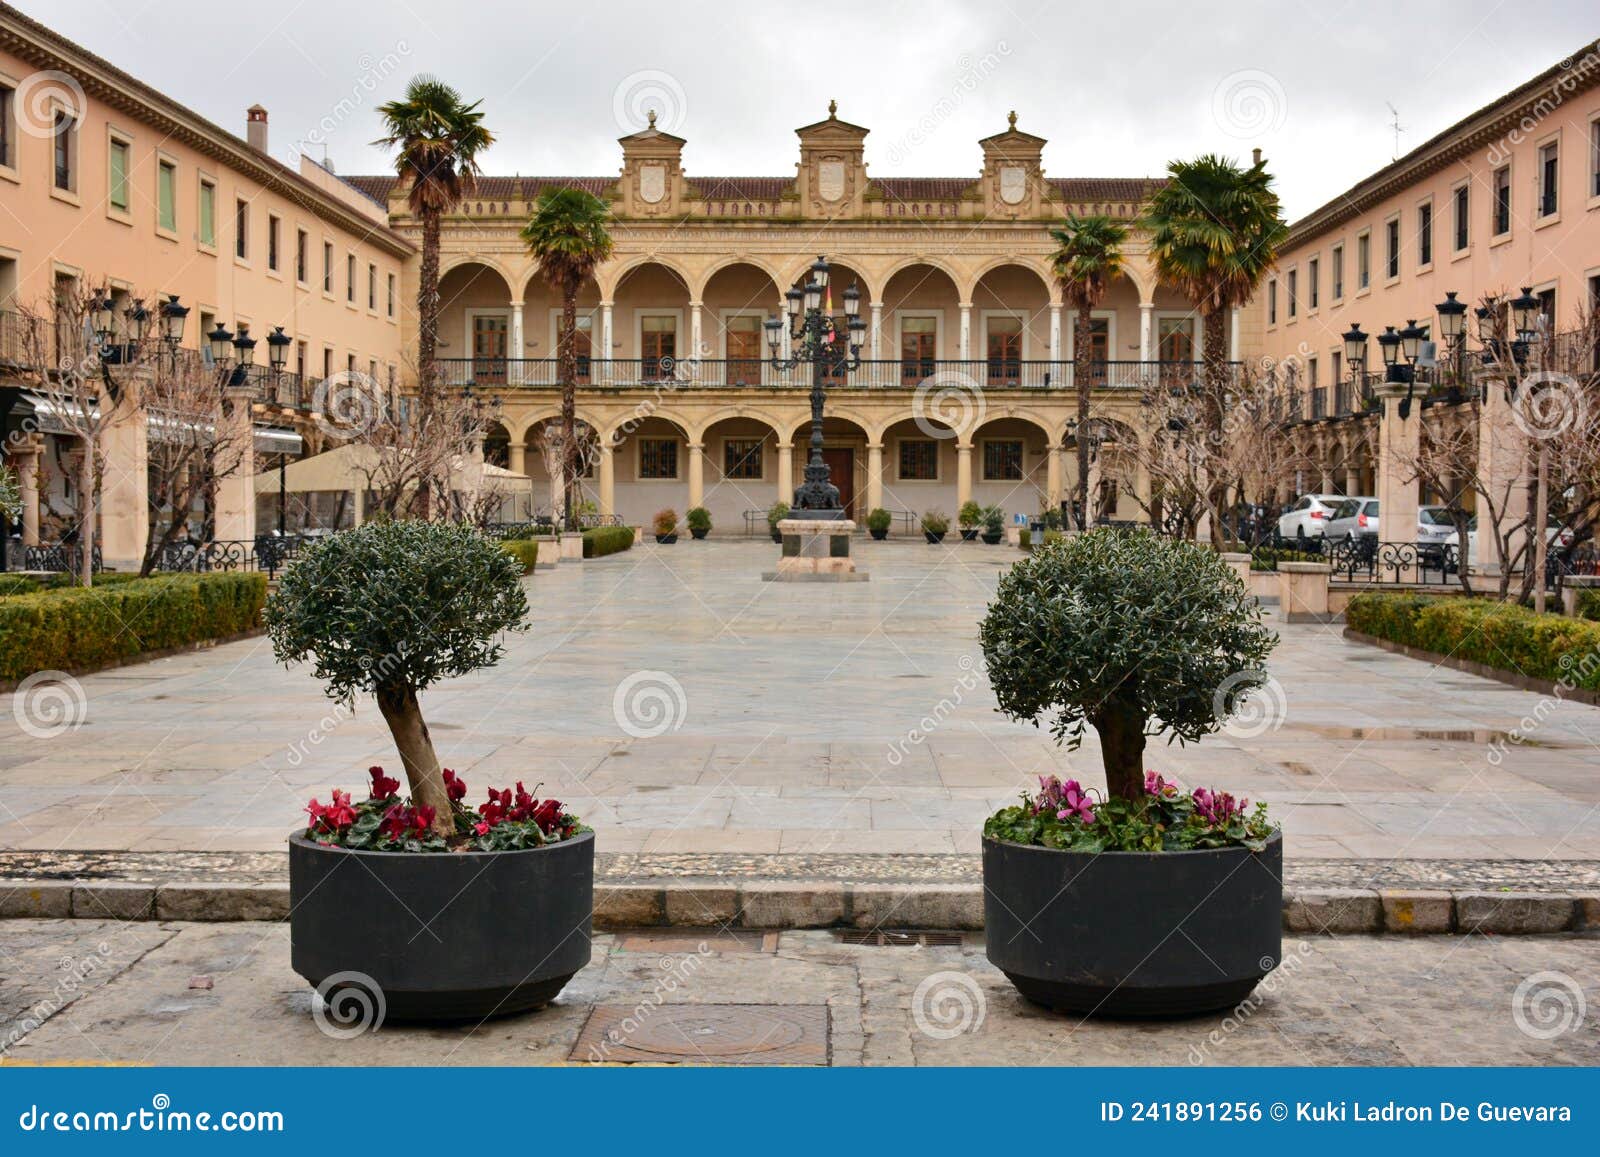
x=1088, y=258
x=1215, y=230
x=568, y=235
x=440, y=137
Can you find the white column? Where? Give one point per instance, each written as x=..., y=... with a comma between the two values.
x=608, y=480
x=27, y=456
x=124, y=505
x=1503, y=473
x=963, y=474
x=785, y=471
x=874, y=475
x=236, y=491
x=1233, y=334
x=966, y=331
x=696, y=347
x=875, y=338
x=1399, y=440
x=358, y=505
x=1052, y=487
x=605, y=351
x=517, y=457
x=1147, y=316
x=697, y=474
x=1055, y=332
x=519, y=348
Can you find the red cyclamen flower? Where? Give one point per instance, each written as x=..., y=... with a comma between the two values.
x=454, y=786
x=382, y=786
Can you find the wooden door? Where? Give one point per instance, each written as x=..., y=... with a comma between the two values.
x=658, y=347
x=1005, y=351
x=918, y=337
x=489, y=349
x=744, y=351
x=842, y=473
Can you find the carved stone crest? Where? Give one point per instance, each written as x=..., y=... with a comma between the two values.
x=652, y=183
x=1013, y=184
x=830, y=180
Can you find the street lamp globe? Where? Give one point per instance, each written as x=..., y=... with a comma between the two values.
x=221, y=343
x=1389, y=343
x=1524, y=309
x=1452, y=317
x=1355, y=347
x=278, y=344
x=173, y=318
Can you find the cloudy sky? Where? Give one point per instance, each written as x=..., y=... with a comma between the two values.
x=1118, y=89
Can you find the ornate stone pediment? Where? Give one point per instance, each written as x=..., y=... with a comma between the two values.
x=652, y=173
x=832, y=171
x=1013, y=173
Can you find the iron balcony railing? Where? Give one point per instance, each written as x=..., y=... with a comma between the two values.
x=895, y=373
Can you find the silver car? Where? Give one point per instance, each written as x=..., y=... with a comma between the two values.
x=1354, y=518
x=1308, y=517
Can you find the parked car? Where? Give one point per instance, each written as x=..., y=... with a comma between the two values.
x=1308, y=517
x=1557, y=537
x=1354, y=518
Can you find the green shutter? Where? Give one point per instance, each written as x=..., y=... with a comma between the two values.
x=166, y=194
x=208, y=215
x=119, y=176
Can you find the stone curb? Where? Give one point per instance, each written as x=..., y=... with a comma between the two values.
x=781, y=904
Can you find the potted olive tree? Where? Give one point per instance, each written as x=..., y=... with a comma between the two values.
x=699, y=520
x=878, y=522
x=1147, y=899
x=968, y=519
x=935, y=525
x=665, y=526
x=448, y=911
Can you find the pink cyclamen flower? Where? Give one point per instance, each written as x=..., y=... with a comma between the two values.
x=1075, y=803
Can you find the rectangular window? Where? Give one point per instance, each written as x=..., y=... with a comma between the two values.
x=117, y=175
x=327, y=267
x=1463, y=210
x=66, y=148
x=1549, y=176
x=372, y=288
x=1175, y=341
x=658, y=347
x=919, y=460
x=350, y=277
x=241, y=228
x=1292, y=292
x=1425, y=234
x=1311, y=372
x=1502, y=200
x=391, y=296
x=167, y=196
x=1002, y=461
x=741, y=458
x=1391, y=249
x=1272, y=302
x=658, y=458
x=1313, y=277
x=273, y=226
x=918, y=337
x=8, y=107
x=1363, y=262
x=208, y=213
x=300, y=243
x=1336, y=272
x=1594, y=151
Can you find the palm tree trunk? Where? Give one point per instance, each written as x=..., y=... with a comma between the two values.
x=569, y=399
x=427, y=337
x=403, y=714
x=1080, y=370
x=1215, y=353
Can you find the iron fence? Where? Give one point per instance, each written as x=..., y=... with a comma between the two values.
x=269, y=553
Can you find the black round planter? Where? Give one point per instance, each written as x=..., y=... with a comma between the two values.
x=933, y=537
x=969, y=534
x=444, y=935
x=880, y=535
x=666, y=539
x=777, y=535
x=993, y=539
x=699, y=534
x=1133, y=934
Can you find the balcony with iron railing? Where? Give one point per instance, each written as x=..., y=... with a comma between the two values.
x=882, y=374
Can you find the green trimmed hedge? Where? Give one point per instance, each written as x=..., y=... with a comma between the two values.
x=1589, y=605
x=1501, y=635
x=607, y=540
x=524, y=551
x=28, y=584
x=63, y=630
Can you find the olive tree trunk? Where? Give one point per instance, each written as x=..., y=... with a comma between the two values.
x=404, y=716
x=1121, y=729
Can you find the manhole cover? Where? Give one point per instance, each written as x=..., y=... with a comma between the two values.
x=711, y=1034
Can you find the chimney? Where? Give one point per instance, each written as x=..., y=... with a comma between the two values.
x=255, y=128
x=1254, y=153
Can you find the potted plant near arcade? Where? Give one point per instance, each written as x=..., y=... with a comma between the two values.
x=935, y=525
x=447, y=910
x=878, y=523
x=665, y=525
x=968, y=519
x=1149, y=899
x=699, y=521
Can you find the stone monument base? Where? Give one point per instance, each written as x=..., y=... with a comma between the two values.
x=816, y=550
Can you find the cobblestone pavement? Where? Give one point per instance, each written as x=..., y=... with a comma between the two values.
x=681, y=705
x=224, y=994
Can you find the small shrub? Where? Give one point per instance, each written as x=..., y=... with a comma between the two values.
x=879, y=519
x=935, y=522
x=698, y=518
x=76, y=627
x=969, y=515
x=1054, y=536
x=17, y=584
x=776, y=513
x=604, y=540
x=524, y=551
x=994, y=520
x=1589, y=605
x=665, y=521
x=1025, y=538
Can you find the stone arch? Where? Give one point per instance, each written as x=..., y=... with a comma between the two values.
x=697, y=286
x=800, y=429
x=952, y=272
x=449, y=265
x=1040, y=269
x=697, y=432
x=610, y=276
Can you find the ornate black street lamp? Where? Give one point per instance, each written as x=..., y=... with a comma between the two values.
x=818, y=341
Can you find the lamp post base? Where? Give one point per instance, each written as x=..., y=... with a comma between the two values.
x=816, y=548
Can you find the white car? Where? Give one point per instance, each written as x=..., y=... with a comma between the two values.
x=1353, y=519
x=1308, y=517
x=1556, y=536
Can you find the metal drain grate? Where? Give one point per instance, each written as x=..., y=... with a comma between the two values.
x=899, y=938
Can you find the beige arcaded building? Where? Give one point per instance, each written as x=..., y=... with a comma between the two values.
x=965, y=388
